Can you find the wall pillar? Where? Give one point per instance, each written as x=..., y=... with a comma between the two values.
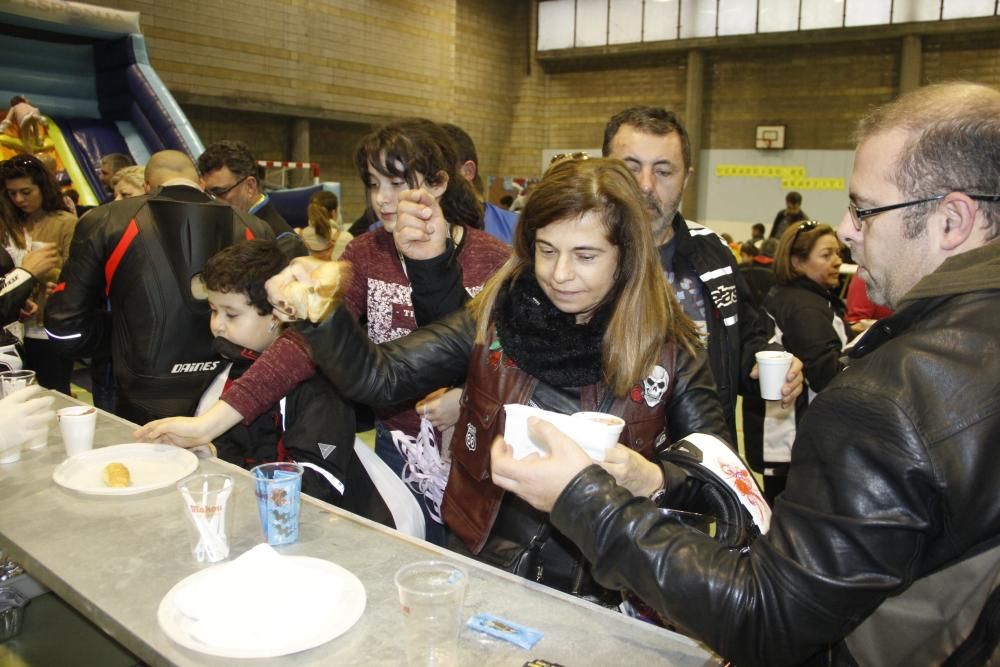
x=693, y=113
x=300, y=152
x=911, y=61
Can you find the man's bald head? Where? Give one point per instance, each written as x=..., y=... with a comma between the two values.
x=167, y=165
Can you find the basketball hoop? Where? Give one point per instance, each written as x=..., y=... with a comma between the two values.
x=770, y=137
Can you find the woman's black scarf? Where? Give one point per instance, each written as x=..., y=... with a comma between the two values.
x=546, y=342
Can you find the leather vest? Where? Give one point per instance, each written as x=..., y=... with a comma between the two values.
x=471, y=499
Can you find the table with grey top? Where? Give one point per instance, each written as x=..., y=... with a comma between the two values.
x=114, y=558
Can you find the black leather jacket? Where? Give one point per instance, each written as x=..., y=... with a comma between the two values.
x=736, y=327
x=438, y=355
x=139, y=256
x=893, y=479
x=16, y=286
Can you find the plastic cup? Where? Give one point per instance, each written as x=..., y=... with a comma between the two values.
x=77, y=425
x=209, y=512
x=601, y=432
x=10, y=455
x=773, y=367
x=278, y=487
x=11, y=381
x=431, y=597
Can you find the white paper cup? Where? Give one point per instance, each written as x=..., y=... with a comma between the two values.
x=77, y=425
x=773, y=367
x=39, y=245
x=600, y=433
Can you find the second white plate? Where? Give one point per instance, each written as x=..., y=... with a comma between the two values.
x=329, y=601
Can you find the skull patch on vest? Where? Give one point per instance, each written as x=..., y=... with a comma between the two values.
x=655, y=385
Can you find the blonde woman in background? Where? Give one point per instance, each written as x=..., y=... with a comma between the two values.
x=129, y=182
x=324, y=236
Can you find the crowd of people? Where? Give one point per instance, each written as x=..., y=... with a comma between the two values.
x=224, y=327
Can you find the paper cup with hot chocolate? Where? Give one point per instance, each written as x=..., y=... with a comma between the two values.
x=597, y=432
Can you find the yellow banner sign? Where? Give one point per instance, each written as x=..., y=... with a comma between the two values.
x=759, y=171
x=812, y=183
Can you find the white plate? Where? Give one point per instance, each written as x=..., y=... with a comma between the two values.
x=150, y=467
x=316, y=617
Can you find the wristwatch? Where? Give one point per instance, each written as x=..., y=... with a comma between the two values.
x=657, y=496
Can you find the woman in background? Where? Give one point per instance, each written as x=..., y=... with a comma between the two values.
x=129, y=182
x=39, y=216
x=324, y=236
x=809, y=321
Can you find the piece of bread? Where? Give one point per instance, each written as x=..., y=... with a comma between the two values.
x=315, y=302
x=116, y=475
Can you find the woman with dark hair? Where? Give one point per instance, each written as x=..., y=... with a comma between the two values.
x=39, y=218
x=808, y=318
x=579, y=319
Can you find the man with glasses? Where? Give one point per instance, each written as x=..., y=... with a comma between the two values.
x=229, y=173
x=654, y=145
x=139, y=255
x=885, y=547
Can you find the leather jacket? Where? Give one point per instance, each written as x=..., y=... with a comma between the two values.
x=138, y=256
x=892, y=484
x=737, y=329
x=440, y=354
x=471, y=500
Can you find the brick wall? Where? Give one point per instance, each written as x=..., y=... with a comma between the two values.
x=818, y=92
x=244, y=68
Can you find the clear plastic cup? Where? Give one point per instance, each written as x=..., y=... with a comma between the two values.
x=208, y=507
x=431, y=597
x=11, y=381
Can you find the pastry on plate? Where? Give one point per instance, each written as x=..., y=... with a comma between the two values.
x=116, y=475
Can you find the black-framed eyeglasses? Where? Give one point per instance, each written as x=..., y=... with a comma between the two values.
x=859, y=214
x=803, y=227
x=220, y=193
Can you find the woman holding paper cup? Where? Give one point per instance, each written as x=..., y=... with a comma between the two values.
x=808, y=317
x=579, y=320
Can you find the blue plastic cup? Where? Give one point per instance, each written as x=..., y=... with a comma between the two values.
x=278, y=487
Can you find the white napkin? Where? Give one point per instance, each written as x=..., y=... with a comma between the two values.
x=258, y=601
x=578, y=428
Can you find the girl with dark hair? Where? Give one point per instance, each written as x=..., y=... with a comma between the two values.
x=415, y=154
x=39, y=218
